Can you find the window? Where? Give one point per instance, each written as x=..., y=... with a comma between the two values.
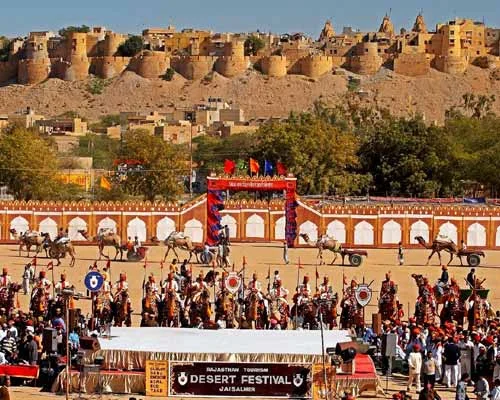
x=452, y=33
x=366, y=50
x=452, y=41
x=451, y=51
x=334, y=51
x=379, y=50
x=478, y=52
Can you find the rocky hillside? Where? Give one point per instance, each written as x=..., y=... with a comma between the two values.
x=258, y=95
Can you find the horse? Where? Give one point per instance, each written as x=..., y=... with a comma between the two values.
x=39, y=303
x=225, y=308
x=150, y=303
x=255, y=311
x=7, y=296
x=122, y=309
x=200, y=308
x=170, y=310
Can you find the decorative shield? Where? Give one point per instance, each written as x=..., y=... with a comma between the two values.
x=233, y=282
x=363, y=294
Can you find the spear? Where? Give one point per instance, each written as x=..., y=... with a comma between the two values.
x=299, y=267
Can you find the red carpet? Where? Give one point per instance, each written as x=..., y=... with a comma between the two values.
x=365, y=369
x=20, y=371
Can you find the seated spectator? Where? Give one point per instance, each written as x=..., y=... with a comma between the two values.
x=74, y=339
x=8, y=345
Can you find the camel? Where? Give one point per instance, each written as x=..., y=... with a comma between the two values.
x=326, y=243
x=105, y=238
x=58, y=250
x=437, y=246
x=174, y=240
x=32, y=239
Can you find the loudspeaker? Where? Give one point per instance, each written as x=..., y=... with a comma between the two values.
x=49, y=340
x=389, y=343
x=377, y=324
x=89, y=343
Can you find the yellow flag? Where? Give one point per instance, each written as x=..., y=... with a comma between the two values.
x=105, y=184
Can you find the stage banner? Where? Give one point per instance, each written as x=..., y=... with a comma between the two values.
x=318, y=387
x=205, y=379
x=157, y=378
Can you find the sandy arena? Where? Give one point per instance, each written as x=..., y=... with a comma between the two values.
x=261, y=257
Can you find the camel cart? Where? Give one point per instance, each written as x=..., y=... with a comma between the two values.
x=473, y=256
x=355, y=257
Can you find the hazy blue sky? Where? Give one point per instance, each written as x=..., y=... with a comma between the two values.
x=21, y=16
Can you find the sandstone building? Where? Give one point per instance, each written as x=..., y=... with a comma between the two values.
x=450, y=48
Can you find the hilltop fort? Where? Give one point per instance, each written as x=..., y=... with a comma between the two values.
x=451, y=48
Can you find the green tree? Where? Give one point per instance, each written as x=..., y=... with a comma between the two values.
x=407, y=158
x=476, y=106
x=101, y=148
x=4, y=48
x=163, y=166
x=132, y=46
x=63, y=32
x=253, y=44
x=29, y=167
x=321, y=155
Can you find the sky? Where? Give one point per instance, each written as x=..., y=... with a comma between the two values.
x=17, y=18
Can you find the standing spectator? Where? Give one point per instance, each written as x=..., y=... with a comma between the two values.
x=401, y=257
x=31, y=349
x=60, y=339
x=429, y=394
x=28, y=275
x=415, y=365
x=4, y=389
x=8, y=345
x=286, y=260
x=451, y=356
x=429, y=370
x=495, y=393
x=471, y=277
x=437, y=354
x=226, y=234
x=461, y=392
x=482, y=389
x=465, y=346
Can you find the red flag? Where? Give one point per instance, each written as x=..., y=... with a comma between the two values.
x=244, y=261
x=108, y=264
x=50, y=266
x=95, y=265
x=254, y=166
x=300, y=265
x=229, y=167
x=145, y=263
x=33, y=262
x=344, y=279
x=317, y=273
x=161, y=265
x=280, y=168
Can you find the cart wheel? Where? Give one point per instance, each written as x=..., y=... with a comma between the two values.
x=53, y=253
x=473, y=260
x=356, y=260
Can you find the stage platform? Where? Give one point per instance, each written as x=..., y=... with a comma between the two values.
x=129, y=348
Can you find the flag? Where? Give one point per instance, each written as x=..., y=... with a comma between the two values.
x=108, y=264
x=241, y=165
x=161, y=265
x=254, y=166
x=268, y=273
x=145, y=263
x=33, y=262
x=268, y=168
x=300, y=265
x=280, y=169
x=344, y=279
x=95, y=265
x=105, y=184
x=229, y=167
x=244, y=261
x=317, y=273
x=50, y=266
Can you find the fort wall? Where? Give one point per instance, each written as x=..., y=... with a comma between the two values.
x=150, y=64
x=314, y=66
x=8, y=71
x=31, y=72
x=274, y=66
x=367, y=60
x=194, y=67
x=454, y=65
x=412, y=64
x=108, y=67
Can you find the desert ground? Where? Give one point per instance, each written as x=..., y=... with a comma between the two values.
x=260, y=258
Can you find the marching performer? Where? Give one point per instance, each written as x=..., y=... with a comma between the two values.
x=278, y=292
x=62, y=284
x=325, y=289
x=121, y=283
x=254, y=286
x=199, y=286
x=151, y=285
x=304, y=290
x=5, y=279
x=42, y=281
x=170, y=285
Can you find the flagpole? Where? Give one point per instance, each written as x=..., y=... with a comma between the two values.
x=144, y=279
x=297, y=289
x=53, y=280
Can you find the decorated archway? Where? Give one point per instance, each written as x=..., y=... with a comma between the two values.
x=215, y=202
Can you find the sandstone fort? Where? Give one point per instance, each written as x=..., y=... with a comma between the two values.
x=451, y=47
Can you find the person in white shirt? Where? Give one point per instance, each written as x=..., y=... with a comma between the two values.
x=415, y=366
x=495, y=392
x=170, y=285
x=28, y=276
